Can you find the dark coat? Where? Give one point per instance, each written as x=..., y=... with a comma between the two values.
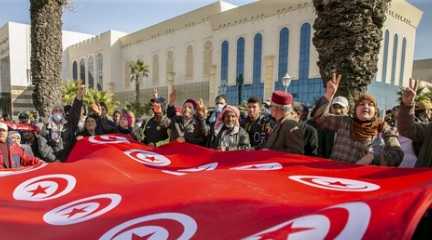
x=259, y=131
x=230, y=139
x=287, y=136
x=310, y=139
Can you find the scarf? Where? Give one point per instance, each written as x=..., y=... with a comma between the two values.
x=366, y=130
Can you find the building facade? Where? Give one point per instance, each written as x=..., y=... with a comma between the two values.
x=205, y=52
x=15, y=76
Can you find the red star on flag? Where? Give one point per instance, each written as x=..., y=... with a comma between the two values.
x=75, y=211
x=339, y=184
x=283, y=233
x=38, y=190
x=136, y=237
x=151, y=158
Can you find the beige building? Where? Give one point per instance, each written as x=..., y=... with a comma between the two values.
x=204, y=52
x=15, y=77
x=423, y=71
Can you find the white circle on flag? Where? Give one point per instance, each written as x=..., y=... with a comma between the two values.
x=148, y=158
x=82, y=210
x=139, y=227
x=107, y=139
x=202, y=168
x=335, y=184
x=10, y=172
x=317, y=226
x=44, y=188
x=259, y=167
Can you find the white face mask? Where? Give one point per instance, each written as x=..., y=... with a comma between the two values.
x=57, y=117
x=219, y=108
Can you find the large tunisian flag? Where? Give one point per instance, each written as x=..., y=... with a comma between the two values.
x=113, y=188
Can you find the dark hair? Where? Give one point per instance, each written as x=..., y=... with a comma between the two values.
x=92, y=115
x=103, y=104
x=253, y=100
x=221, y=97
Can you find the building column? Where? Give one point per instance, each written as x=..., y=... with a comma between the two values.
x=268, y=76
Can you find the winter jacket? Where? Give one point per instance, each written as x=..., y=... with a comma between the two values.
x=287, y=136
x=17, y=158
x=230, y=139
x=310, y=135
x=154, y=132
x=420, y=133
x=259, y=130
x=64, y=144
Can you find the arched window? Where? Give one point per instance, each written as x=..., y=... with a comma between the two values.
x=155, y=74
x=82, y=71
x=170, y=67
x=257, y=58
x=224, y=63
x=99, y=73
x=283, y=53
x=394, y=60
x=240, y=57
x=385, y=56
x=208, y=55
x=305, y=35
x=90, y=72
x=75, y=70
x=189, y=63
x=402, y=68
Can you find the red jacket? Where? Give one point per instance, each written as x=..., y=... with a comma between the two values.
x=17, y=158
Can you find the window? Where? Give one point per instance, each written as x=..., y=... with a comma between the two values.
x=90, y=72
x=99, y=75
x=283, y=53
x=75, y=70
x=257, y=58
x=384, y=67
x=155, y=74
x=189, y=63
x=240, y=57
x=208, y=54
x=402, y=68
x=305, y=35
x=394, y=60
x=224, y=63
x=82, y=71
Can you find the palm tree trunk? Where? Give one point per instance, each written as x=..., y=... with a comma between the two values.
x=46, y=53
x=137, y=90
x=347, y=37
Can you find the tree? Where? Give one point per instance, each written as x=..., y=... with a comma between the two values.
x=138, y=70
x=348, y=36
x=46, y=53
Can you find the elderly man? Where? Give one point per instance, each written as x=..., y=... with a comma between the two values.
x=287, y=135
x=12, y=155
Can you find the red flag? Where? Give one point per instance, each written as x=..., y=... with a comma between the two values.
x=114, y=188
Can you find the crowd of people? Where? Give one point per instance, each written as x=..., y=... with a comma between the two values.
x=355, y=134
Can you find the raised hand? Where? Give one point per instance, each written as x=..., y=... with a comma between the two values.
x=96, y=109
x=201, y=109
x=410, y=93
x=173, y=97
x=332, y=86
x=155, y=93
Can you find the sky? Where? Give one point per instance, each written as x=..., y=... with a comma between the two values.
x=96, y=16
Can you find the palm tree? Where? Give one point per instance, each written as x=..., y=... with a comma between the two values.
x=348, y=36
x=138, y=70
x=46, y=53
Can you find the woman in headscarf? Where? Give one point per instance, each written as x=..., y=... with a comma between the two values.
x=363, y=138
x=191, y=126
x=227, y=134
